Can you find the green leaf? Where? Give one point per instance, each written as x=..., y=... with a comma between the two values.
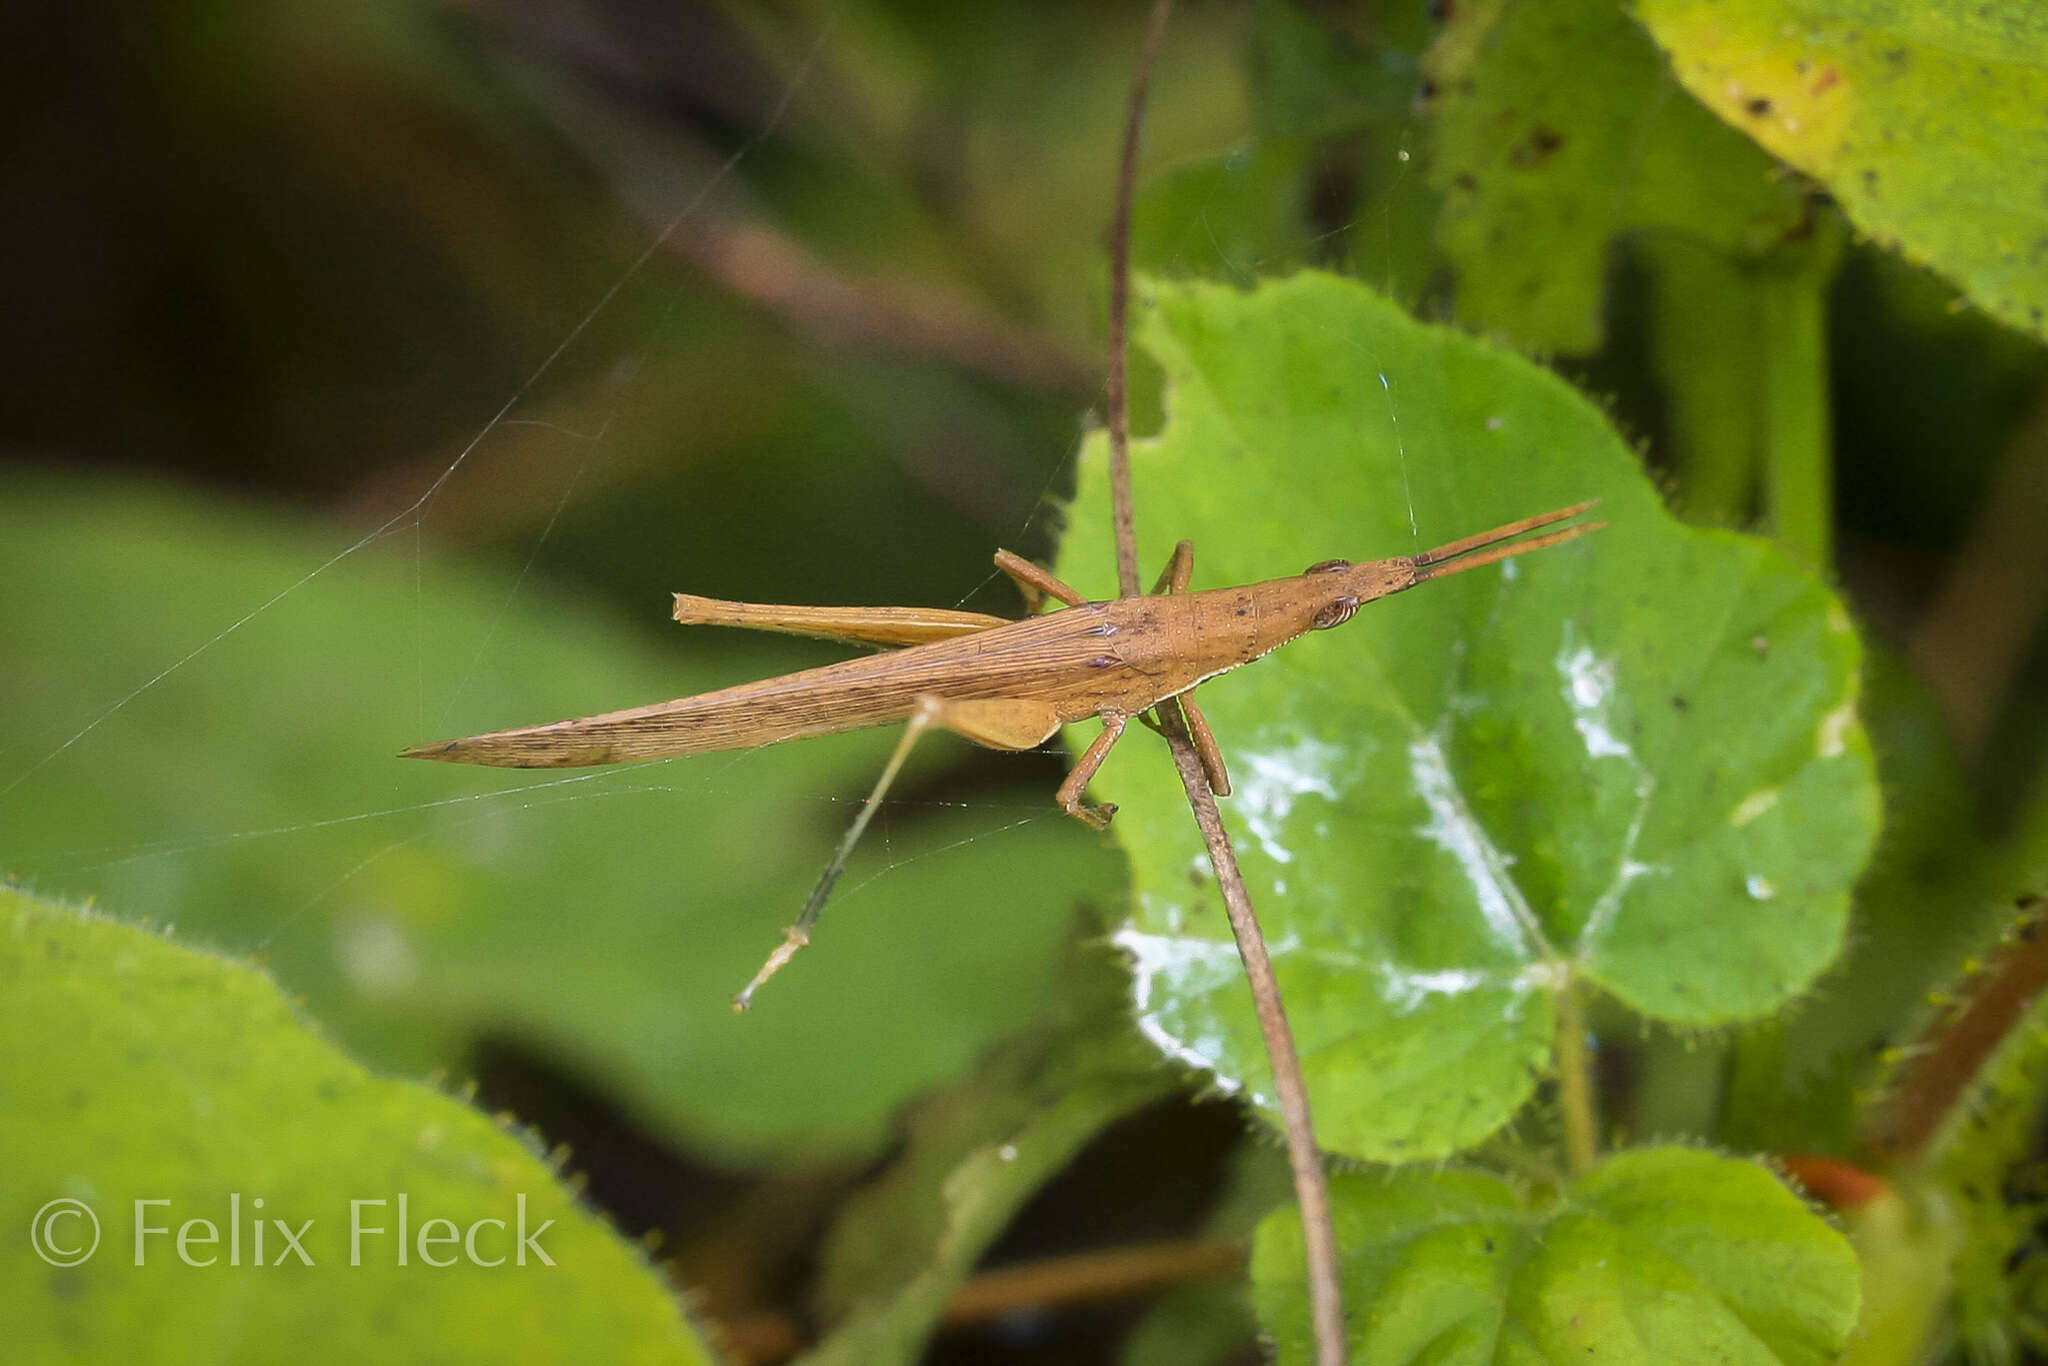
x=601, y=916
x=1540, y=173
x=1931, y=896
x=1633, y=760
x=1660, y=1254
x=1922, y=119
x=134, y=1070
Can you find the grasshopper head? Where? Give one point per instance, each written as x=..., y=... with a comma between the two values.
x=1339, y=586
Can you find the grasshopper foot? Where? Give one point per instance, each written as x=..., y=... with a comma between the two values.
x=1094, y=817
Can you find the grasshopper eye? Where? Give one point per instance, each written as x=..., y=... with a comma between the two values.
x=1327, y=567
x=1335, y=613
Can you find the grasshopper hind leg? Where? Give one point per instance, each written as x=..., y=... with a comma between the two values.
x=999, y=723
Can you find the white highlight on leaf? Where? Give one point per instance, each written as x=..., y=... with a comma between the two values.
x=1834, y=729
x=1273, y=780
x=1453, y=829
x=1588, y=688
x=1192, y=967
x=1405, y=990
x=1759, y=887
x=1752, y=806
x=1589, y=691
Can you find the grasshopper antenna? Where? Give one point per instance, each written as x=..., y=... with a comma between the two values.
x=799, y=933
x=1501, y=543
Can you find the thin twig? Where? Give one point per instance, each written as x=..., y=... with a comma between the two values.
x=874, y=313
x=1311, y=1190
x=1972, y=641
x=1093, y=1277
x=1983, y=1013
x=1115, y=394
x=1098, y=1276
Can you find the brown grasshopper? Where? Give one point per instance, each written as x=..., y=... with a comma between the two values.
x=1001, y=683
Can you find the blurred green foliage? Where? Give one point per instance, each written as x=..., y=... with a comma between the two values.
x=802, y=302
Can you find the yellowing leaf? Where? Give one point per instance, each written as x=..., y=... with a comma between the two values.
x=1924, y=118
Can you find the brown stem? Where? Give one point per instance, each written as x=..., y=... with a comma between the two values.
x=1972, y=642
x=1092, y=1277
x=1945, y=1061
x=1311, y=1190
x=874, y=313
x=1115, y=394
x=1080, y=1278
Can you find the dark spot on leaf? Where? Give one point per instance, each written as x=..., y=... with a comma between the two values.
x=1541, y=144
x=1465, y=182
x=1897, y=56
x=1758, y=107
x=1680, y=704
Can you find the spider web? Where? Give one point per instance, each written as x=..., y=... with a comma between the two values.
x=328, y=880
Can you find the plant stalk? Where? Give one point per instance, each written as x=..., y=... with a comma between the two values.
x=1311, y=1189
x=1575, y=1079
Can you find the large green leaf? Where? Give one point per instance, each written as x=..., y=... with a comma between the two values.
x=1661, y=1254
x=604, y=917
x=133, y=1070
x=1633, y=760
x=1559, y=130
x=1922, y=117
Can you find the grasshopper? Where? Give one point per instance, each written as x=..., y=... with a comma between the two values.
x=997, y=682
